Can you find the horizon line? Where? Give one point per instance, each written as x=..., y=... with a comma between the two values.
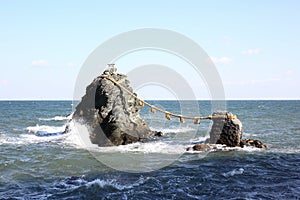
x=204, y=99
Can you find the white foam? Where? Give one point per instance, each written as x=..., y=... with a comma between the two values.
x=76, y=183
x=220, y=147
x=234, y=172
x=32, y=139
x=174, y=130
x=80, y=137
x=199, y=139
x=4, y=139
x=146, y=148
x=155, y=147
x=249, y=149
x=104, y=183
x=24, y=139
x=57, y=118
x=44, y=128
x=36, y=134
x=249, y=135
x=75, y=139
x=114, y=183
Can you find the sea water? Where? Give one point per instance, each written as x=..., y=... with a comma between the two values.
x=39, y=161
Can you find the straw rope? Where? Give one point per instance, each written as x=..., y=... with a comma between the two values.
x=168, y=115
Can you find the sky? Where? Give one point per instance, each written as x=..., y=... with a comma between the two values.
x=255, y=45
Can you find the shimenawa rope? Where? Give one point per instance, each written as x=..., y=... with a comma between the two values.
x=168, y=115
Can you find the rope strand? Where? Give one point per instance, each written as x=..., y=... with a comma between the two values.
x=153, y=108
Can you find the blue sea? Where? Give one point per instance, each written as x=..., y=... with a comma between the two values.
x=39, y=161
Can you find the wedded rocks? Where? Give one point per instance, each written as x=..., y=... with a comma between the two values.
x=112, y=117
x=111, y=114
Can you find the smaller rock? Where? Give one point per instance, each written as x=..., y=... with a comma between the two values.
x=158, y=134
x=200, y=147
x=253, y=143
x=227, y=131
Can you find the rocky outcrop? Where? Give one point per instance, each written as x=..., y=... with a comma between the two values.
x=226, y=131
x=111, y=115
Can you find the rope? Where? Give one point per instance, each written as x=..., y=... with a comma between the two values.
x=168, y=115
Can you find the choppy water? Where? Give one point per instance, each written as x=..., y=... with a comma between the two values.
x=37, y=161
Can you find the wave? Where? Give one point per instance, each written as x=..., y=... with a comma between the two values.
x=234, y=172
x=24, y=139
x=220, y=147
x=173, y=130
x=49, y=133
x=146, y=148
x=36, y=134
x=79, y=137
x=73, y=183
x=57, y=118
x=199, y=140
x=115, y=184
x=46, y=129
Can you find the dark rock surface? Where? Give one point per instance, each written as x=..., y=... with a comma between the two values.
x=253, y=143
x=111, y=114
x=199, y=147
x=226, y=131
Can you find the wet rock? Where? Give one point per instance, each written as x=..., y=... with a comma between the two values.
x=199, y=147
x=158, y=134
x=111, y=114
x=253, y=143
x=227, y=131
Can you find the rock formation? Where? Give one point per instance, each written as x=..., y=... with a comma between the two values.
x=228, y=132
x=111, y=115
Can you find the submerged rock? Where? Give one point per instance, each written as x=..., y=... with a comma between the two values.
x=112, y=115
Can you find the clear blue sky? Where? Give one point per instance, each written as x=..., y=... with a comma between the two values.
x=255, y=44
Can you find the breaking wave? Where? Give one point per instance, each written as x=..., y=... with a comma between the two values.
x=45, y=129
x=73, y=183
x=173, y=130
x=77, y=138
x=234, y=172
x=74, y=139
x=146, y=148
x=115, y=184
x=57, y=118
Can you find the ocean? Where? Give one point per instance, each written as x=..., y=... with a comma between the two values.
x=39, y=161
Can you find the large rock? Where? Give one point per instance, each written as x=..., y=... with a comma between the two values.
x=111, y=114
